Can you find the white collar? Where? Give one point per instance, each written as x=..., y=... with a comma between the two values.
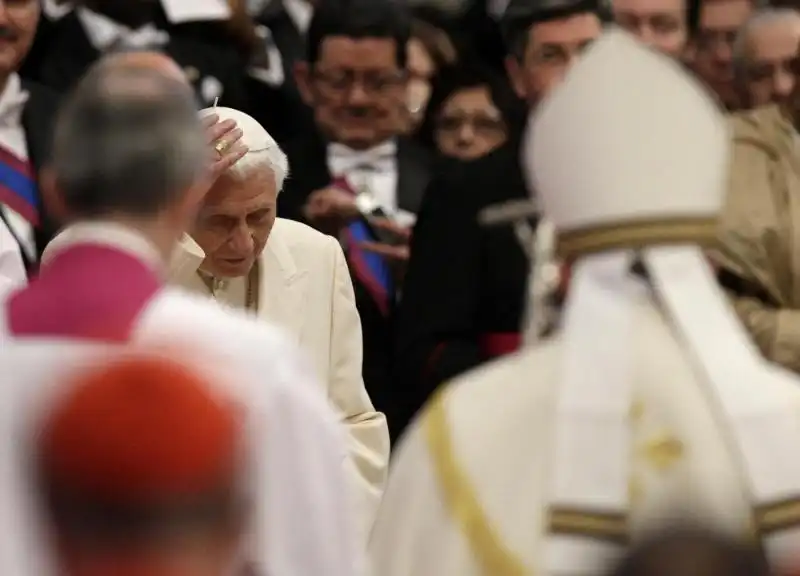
x=56, y=10
x=300, y=12
x=388, y=148
x=107, y=234
x=103, y=32
x=12, y=101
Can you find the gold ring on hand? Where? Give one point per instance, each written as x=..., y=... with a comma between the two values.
x=220, y=147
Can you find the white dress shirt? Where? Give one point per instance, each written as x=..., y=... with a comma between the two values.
x=12, y=138
x=372, y=171
x=12, y=268
x=104, y=33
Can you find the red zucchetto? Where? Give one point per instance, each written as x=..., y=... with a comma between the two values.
x=140, y=429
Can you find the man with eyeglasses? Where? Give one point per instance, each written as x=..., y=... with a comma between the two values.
x=354, y=177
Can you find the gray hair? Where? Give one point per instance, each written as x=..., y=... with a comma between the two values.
x=128, y=140
x=264, y=152
x=761, y=17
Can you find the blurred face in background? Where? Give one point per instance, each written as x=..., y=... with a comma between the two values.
x=769, y=61
x=235, y=222
x=18, y=21
x=712, y=57
x=551, y=48
x=357, y=90
x=469, y=125
x=661, y=24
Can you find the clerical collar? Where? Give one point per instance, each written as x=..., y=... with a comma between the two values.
x=108, y=234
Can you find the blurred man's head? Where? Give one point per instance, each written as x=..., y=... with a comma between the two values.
x=765, y=56
x=125, y=491
x=544, y=39
x=712, y=47
x=239, y=211
x=129, y=145
x=662, y=24
x=354, y=76
x=18, y=22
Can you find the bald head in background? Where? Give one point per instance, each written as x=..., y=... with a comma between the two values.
x=152, y=60
x=129, y=141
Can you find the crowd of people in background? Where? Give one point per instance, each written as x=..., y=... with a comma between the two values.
x=395, y=112
x=368, y=196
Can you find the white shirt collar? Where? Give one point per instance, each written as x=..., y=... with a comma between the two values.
x=107, y=234
x=300, y=13
x=12, y=101
x=56, y=10
x=103, y=32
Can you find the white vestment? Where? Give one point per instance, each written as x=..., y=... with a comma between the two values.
x=302, y=521
x=305, y=288
x=468, y=489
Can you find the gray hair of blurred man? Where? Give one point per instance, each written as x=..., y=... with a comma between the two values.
x=263, y=153
x=128, y=141
x=761, y=17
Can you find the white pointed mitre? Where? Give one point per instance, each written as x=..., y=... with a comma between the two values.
x=629, y=137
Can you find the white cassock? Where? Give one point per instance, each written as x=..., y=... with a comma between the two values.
x=650, y=404
x=100, y=287
x=304, y=287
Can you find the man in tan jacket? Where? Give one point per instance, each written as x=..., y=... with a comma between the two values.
x=760, y=238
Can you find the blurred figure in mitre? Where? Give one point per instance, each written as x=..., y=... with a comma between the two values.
x=649, y=402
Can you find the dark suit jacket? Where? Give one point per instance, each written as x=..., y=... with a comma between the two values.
x=465, y=284
x=70, y=53
x=309, y=172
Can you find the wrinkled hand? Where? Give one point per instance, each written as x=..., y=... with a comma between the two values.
x=330, y=209
x=227, y=135
x=397, y=254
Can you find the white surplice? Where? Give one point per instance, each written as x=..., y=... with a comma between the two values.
x=302, y=522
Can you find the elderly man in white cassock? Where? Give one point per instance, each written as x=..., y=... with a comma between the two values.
x=130, y=165
x=649, y=403
x=290, y=275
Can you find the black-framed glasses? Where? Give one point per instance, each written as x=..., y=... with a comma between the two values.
x=341, y=82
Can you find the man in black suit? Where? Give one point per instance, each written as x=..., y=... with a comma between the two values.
x=96, y=27
x=27, y=117
x=354, y=170
x=464, y=291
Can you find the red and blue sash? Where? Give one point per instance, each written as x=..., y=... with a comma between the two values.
x=18, y=188
x=372, y=270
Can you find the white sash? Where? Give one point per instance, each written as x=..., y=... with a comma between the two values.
x=589, y=488
x=743, y=389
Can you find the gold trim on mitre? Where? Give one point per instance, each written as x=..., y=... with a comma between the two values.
x=776, y=516
x=621, y=235
x=460, y=498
